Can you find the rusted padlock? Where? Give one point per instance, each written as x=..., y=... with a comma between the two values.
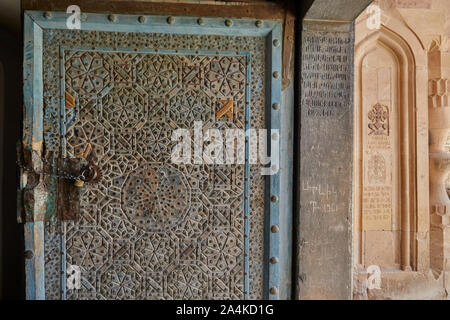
x=90, y=174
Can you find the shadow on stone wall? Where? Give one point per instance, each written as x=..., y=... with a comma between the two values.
x=11, y=235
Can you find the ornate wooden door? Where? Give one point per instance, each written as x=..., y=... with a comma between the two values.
x=114, y=92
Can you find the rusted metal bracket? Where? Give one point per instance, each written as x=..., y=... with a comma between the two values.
x=33, y=190
x=47, y=197
x=68, y=198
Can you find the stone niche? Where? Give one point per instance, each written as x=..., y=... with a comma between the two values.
x=385, y=124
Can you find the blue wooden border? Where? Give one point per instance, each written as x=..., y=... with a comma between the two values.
x=156, y=24
x=34, y=267
x=274, y=41
x=247, y=183
x=32, y=141
x=35, y=21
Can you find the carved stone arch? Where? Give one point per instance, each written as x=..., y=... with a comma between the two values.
x=405, y=37
x=398, y=92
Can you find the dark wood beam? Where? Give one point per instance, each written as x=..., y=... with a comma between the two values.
x=249, y=10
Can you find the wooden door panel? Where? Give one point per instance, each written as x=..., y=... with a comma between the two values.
x=150, y=228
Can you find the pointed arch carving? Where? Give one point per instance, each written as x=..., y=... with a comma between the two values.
x=385, y=211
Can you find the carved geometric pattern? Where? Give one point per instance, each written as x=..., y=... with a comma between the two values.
x=125, y=107
x=88, y=247
x=53, y=257
x=87, y=72
x=189, y=106
x=159, y=74
x=188, y=282
x=225, y=76
x=151, y=229
x=88, y=132
x=122, y=68
x=155, y=197
x=153, y=141
x=122, y=281
x=222, y=251
x=379, y=120
x=155, y=252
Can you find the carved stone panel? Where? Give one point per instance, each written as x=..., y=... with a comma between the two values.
x=379, y=151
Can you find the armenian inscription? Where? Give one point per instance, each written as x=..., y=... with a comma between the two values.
x=326, y=74
x=413, y=4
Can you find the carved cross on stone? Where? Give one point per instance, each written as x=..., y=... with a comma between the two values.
x=379, y=120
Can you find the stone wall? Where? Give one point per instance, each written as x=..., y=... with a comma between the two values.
x=324, y=182
x=448, y=178
x=402, y=61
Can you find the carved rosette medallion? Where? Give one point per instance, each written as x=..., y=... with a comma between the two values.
x=155, y=197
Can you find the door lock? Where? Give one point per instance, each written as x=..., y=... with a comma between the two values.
x=89, y=174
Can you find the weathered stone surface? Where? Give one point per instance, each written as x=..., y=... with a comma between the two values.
x=324, y=270
x=340, y=10
x=400, y=286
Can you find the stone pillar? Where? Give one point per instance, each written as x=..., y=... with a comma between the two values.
x=324, y=265
x=439, y=129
